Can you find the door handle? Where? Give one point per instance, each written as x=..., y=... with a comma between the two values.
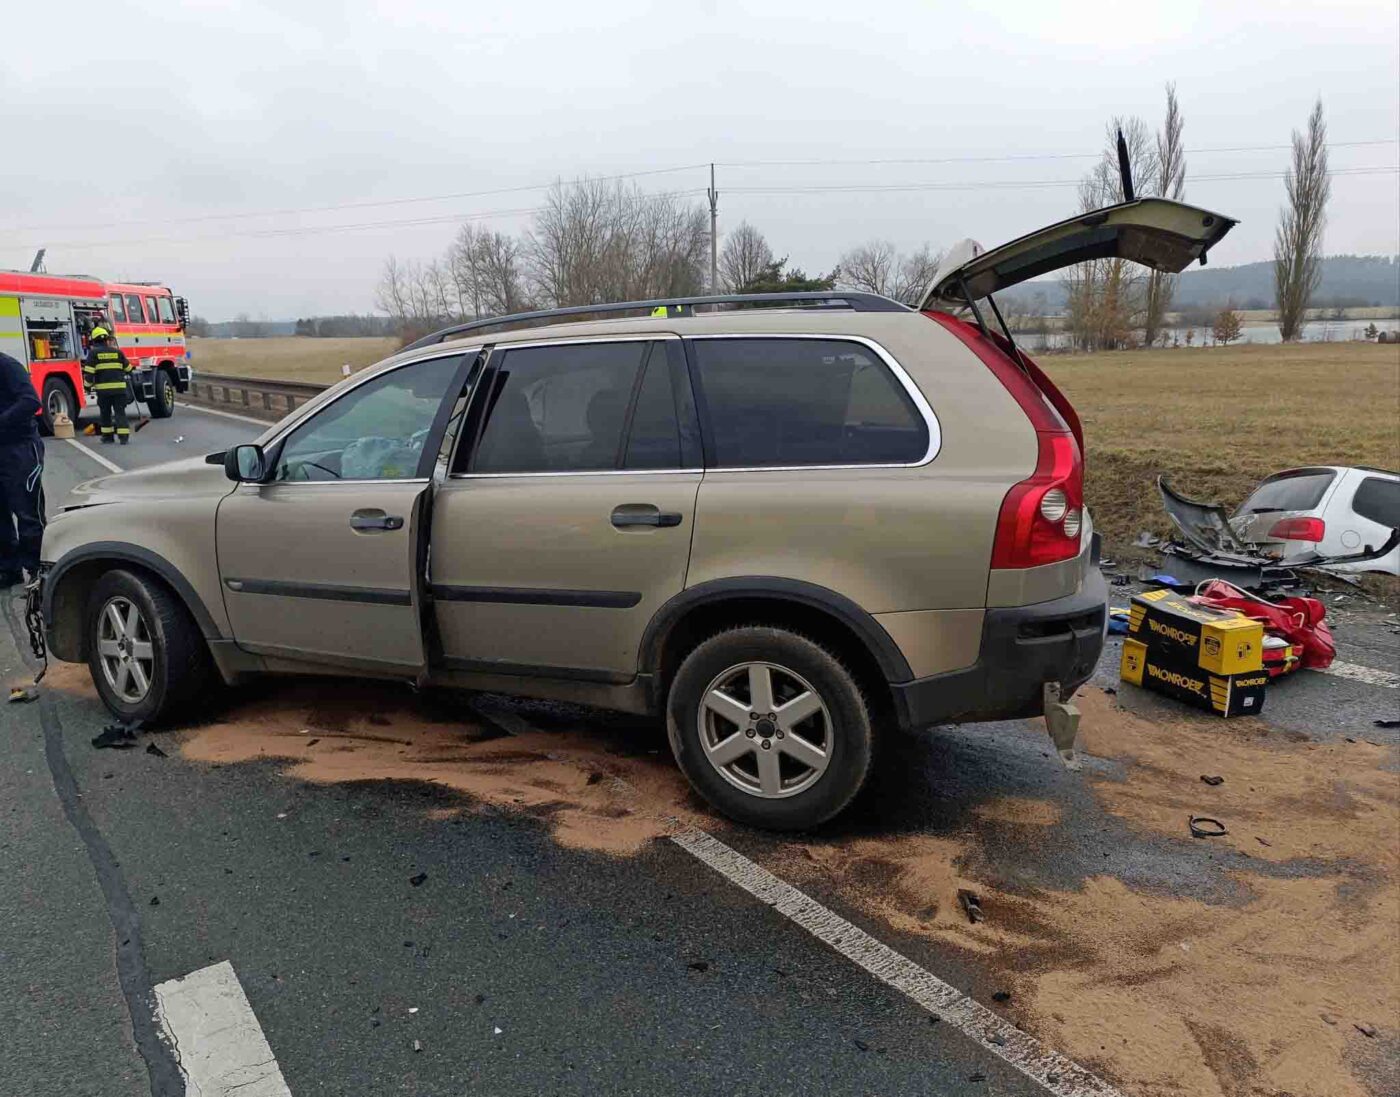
x=366, y=520
x=633, y=515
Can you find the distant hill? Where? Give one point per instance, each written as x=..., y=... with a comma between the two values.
x=1346, y=280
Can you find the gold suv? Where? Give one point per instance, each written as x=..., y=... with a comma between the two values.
x=783, y=523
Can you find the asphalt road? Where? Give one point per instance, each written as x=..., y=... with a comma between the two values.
x=518, y=965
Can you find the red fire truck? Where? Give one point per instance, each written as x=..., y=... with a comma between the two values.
x=45, y=320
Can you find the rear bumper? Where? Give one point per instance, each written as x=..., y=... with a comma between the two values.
x=1022, y=648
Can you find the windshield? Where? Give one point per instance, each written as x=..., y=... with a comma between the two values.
x=1289, y=491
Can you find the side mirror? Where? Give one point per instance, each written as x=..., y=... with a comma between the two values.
x=245, y=464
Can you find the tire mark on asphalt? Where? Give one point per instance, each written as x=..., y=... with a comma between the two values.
x=165, y=1077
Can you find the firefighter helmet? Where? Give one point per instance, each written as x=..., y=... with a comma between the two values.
x=100, y=332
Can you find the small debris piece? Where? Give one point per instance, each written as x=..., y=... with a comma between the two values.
x=1002, y=996
x=155, y=900
x=1106, y=563
x=1366, y=1030
x=862, y=1045
x=115, y=737
x=1146, y=539
x=412, y=1009
x=997, y=1039
x=419, y=880
x=22, y=696
x=312, y=742
x=1203, y=826
x=1121, y=580
x=978, y=1077
x=972, y=905
x=417, y=1046
x=496, y=1031
x=1378, y=723
x=1262, y=841
x=1111, y=691
x=1328, y=1018
x=1212, y=780
x=151, y=748
x=698, y=965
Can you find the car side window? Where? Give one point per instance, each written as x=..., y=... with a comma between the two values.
x=1379, y=500
x=376, y=431
x=781, y=402
x=560, y=408
x=133, y=309
x=167, y=312
x=118, y=309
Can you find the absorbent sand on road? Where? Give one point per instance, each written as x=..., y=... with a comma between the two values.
x=1264, y=985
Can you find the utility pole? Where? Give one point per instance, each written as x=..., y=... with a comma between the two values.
x=714, y=233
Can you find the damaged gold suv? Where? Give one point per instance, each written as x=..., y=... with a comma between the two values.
x=785, y=524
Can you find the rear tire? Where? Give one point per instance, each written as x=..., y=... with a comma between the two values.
x=146, y=655
x=162, y=401
x=57, y=397
x=819, y=742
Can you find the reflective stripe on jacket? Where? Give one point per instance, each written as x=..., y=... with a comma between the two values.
x=105, y=369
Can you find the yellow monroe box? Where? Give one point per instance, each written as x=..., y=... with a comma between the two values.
x=1225, y=694
x=1178, y=631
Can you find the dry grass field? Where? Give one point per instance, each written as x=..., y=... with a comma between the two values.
x=1217, y=420
x=287, y=358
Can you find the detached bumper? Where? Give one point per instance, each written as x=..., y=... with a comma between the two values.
x=1022, y=649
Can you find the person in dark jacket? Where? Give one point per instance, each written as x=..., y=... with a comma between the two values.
x=106, y=371
x=21, y=474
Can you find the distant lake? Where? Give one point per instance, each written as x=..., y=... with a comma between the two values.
x=1253, y=331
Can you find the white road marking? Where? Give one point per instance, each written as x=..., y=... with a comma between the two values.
x=215, y=1035
x=1054, y=1072
x=1370, y=675
x=1057, y=1074
x=264, y=423
x=111, y=466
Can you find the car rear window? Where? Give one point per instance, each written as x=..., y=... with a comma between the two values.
x=781, y=402
x=1379, y=500
x=1289, y=491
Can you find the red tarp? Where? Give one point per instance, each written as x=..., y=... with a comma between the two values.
x=1297, y=620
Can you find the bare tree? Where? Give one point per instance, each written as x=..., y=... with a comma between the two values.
x=744, y=258
x=500, y=275
x=1171, y=183
x=877, y=267
x=1298, y=241
x=597, y=242
x=1104, y=297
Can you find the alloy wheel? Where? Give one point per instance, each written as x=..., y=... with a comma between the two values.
x=125, y=649
x=765, y=729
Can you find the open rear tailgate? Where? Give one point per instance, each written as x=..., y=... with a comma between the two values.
x=1156, y=232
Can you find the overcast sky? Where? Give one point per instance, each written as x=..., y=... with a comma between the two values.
x=161, y=140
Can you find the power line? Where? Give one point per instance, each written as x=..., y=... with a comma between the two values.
x=362, y=205
x=420, y=199
x=313, y=230
x=1030, y=184
x=1022, y=156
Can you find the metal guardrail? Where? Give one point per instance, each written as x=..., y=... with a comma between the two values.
x=262, y=399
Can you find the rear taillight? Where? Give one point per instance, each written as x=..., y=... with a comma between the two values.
x=1299, y=529
x=1041, y=518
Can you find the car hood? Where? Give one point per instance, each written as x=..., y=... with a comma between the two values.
x=190, y=476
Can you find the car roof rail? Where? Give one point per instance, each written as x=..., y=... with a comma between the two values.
x=852, y=300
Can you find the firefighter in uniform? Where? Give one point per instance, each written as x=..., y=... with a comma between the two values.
x=106, y=371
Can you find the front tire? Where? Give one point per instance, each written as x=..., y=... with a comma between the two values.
x=162, y=401
x=145, y=653
x=57, y=398
x=770, y=727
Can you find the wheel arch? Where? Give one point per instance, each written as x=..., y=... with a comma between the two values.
x=808, y=608
x=69, y=582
